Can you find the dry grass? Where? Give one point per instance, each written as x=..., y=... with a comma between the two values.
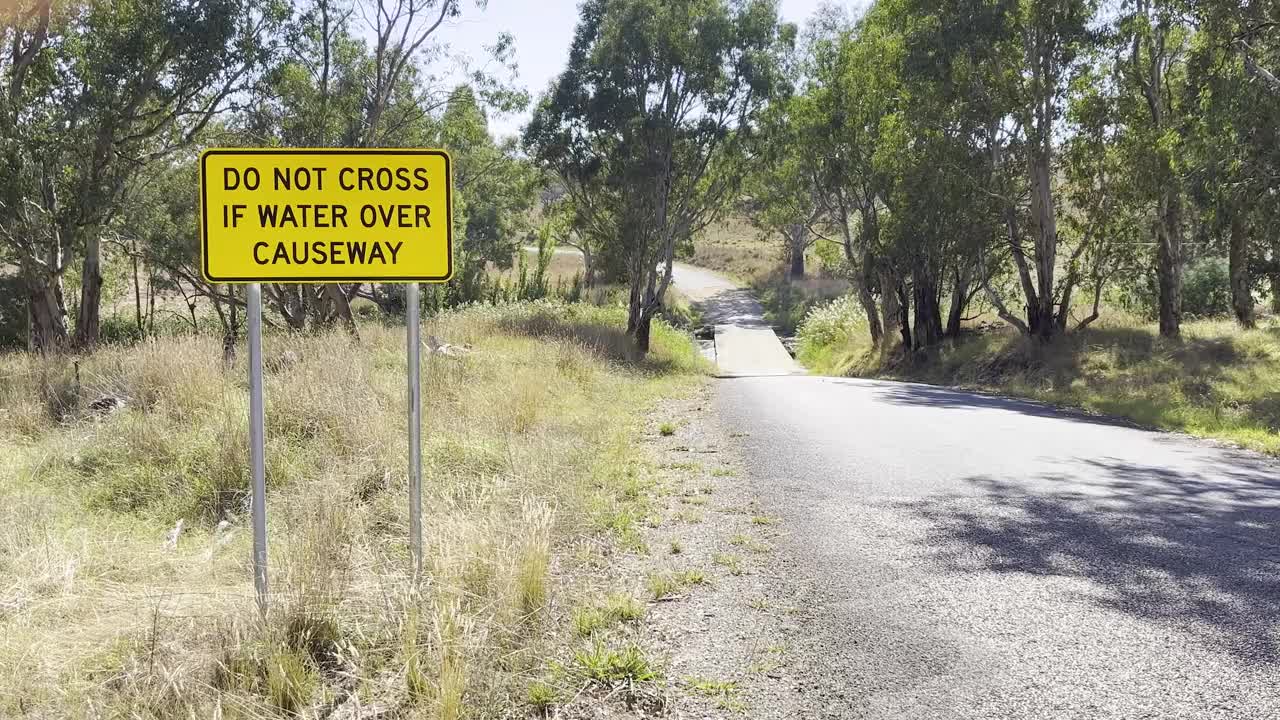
x=734, y=248
x=1218, y=381
x=564, y=266
x=526, y=438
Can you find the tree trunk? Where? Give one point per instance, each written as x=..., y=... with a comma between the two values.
x=1040, y=316
x=343, y=305
x=137, y=294
x=928, y=316
x=1169, y=264
x=230, y=336
x=641, y=334
x=868, y=303
x=904, y=316
x=797, y=242
x=1275, y=292
x=88, y=320
x=959, y=298
x=797, y=264
x=47, y=313
x=869, y=274
x=1238, y=261
x=588, y=268
x=889, y=306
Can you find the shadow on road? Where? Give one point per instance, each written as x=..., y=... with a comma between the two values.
x=1199, y=552
x=940, y=397
x=731, y=307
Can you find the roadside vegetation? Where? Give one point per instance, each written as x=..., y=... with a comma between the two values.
x=1068, y=201
x=1217, y=381
x=531, y=457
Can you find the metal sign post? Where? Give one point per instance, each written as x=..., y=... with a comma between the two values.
x=257, y=460
x=414, y=347
x=331, y=215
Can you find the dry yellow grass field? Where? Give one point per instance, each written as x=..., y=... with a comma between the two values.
x=531, y=476
x=734, y=248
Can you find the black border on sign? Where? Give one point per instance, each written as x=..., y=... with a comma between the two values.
x=204, y=213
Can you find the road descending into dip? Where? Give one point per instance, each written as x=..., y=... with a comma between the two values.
x=967, y=556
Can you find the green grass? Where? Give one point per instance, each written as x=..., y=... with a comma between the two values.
x=609, y=666
x=743, y=540
x=616, y=609
x=724, y=692
x=667, y=429
x=1217, y=381
x=665, y=585
x=542, y=696
x=532, y=444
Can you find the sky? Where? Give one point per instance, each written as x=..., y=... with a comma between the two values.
x=542, y=31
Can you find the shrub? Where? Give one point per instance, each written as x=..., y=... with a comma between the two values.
x=832, y=325
x=13, y=312
x=1206, y=288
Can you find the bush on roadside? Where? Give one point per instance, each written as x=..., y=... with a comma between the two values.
x=1206, y=288
x=831, y=328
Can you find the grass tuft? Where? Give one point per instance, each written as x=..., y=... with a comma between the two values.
x=617, y=608
x=732, y=563
x=668, y=585
x=610, y=666
x=543, y=696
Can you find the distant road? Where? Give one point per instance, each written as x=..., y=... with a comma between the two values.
x=745, y=346
x=967, y=556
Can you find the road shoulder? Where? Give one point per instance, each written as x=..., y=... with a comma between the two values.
x=724, y=624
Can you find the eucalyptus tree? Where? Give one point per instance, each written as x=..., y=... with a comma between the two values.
x=851, y=85
x=1155, y=42
x=653, y=117
x=91, y=94
x=782, y=197
x=495, y=187
x=981, y=97
x=1234, y=138
x=1108, y=217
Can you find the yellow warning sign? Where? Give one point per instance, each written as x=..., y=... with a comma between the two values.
x=326, y=215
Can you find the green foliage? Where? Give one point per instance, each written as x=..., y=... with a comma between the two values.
x=543, y=696
x=13, y=313
x=1206, y=288
x=609, y=666
x=497, y=188
x=665, y=585
x=617, y=608
x=832, y=325
x=640, y=167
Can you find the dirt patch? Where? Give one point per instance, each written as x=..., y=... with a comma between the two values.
x=724, y=641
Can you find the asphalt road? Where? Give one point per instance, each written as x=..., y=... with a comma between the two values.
x=966, y=556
